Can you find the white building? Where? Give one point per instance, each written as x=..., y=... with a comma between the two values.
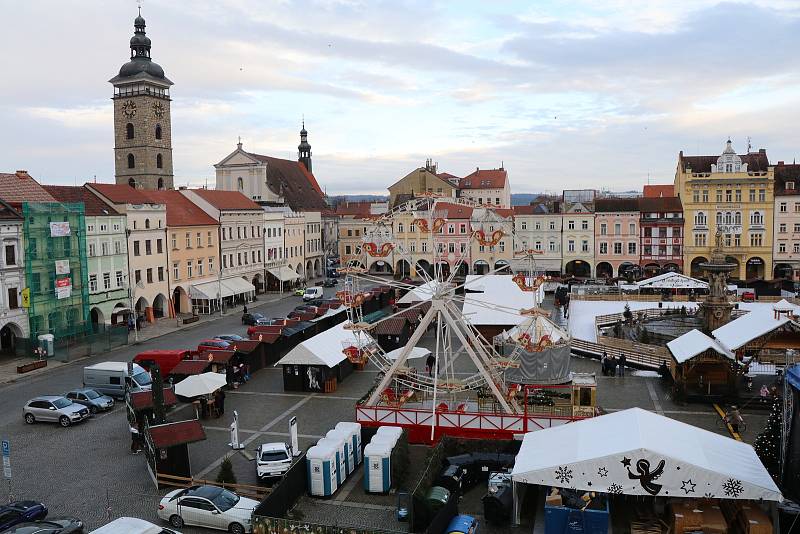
x=577, y=243
x=538, y=239
x=487, y=187
x=13, y=317
x=278, y=274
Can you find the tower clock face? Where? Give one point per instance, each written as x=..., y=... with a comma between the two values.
x=129, y=109
x=158, y=110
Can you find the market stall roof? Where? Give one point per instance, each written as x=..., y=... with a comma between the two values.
x=496, y=300
x=392, y=326
x=296, y=327
x=636, y=452
x=536, y=327
x=202, y=384
x=326, y=348
x=143, y=400
x=171, y=434
x=750, y=326
x=671, y=281
x=190, y=367
x=283, y=273
x=423, y=292
x=695, y=342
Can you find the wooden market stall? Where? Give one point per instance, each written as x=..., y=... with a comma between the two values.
x=702, y=367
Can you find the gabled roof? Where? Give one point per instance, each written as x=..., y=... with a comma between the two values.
x=392, y=326
x=292, y=180
x=695, y=342
x=672, y=280
x=93, y=206
x=534, y=209
x=19, y=187
x=325, y=348
x=484, y=179
x=180, y=210
x=752, y=325
x=756, y=161
x=616, y=205
x=360, y=208
x=423, y=170
x=8, y=213
x=171, y=434
x=656, y=191
x=226, y=200
x=787, y=173
x=121, y=194
x=449, y=177
x=453, y=211
x=660, y=204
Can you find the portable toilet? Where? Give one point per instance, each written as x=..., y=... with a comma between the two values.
x=395, y=431
x=378, y=467
x=355, y=433
x=388, y=439
x=344, y=436
x=322, y=468
x=338, y=446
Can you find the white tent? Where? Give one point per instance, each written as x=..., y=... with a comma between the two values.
x=757, y=323
x=695, y=342
x=202, y=384
x=325, y=348
x=670, y=281
x=416, y=352
x=421, y=293
x=636, y=452
x=537, y=327
x=497, y=300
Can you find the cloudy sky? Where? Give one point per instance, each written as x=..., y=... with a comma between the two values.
x=566, y=93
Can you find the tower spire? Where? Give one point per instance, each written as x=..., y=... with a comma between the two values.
x=304, y=148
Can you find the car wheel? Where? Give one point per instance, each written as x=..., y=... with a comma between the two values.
x=93, y=410
x=64, y=421
x=176, y=521
x=236, y=528
x=29, y=418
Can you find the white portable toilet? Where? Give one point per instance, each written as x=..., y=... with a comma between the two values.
x=322, y=467
x=388, y=439
x=347, y=451
x=355, y=440
x=337, y=445
x=395, y=431
x=378, y=467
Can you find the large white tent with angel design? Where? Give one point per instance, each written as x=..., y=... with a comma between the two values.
x=637, y=452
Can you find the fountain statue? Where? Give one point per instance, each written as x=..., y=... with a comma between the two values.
x=716, y=310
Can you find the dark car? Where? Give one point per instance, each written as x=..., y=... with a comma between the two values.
x=330, y=282
x=56, y=525
x=19, y=512
x=251, y=319
x=91, y=399
x=231, y=337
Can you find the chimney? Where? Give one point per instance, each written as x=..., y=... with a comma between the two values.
x=22, y=174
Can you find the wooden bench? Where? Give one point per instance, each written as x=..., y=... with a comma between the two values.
x=32, y=366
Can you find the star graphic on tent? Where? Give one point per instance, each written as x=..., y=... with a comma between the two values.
x=626, y=461
x=688, y=486
x=603, y=472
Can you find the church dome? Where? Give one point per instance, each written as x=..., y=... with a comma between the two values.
x=141, y=65
x=140, y=39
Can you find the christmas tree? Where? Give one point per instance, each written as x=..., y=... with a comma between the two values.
x=768, y=443
x=226, y=475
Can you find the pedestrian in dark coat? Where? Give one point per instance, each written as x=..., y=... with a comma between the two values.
x=430, y=363
x=622, y=360
x=604, y=363
x=220, y=401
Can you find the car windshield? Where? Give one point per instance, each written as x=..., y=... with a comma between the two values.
x=258, y=316
x=273, y=456
x=91, y=394
x=62, y=402
x=225, y=500
x=143, y=379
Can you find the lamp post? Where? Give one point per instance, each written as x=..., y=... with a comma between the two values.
x=785, y=409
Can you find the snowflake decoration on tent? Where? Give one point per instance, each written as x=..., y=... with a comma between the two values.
x=733, y=488
x=615, y=489
x=688, y=486
x=563, y=474
x=708, y=495
x=603, y=472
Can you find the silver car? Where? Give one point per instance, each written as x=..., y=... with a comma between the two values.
x=91, y=399
x=55, y=409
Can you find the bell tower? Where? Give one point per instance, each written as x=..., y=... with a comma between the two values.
x=304, y=149
x=142, y=120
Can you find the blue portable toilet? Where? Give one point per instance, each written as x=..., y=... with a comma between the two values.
x=322, y=470
x=378, y=468
x=338, y=447
x=343, y=435
x=355, y=433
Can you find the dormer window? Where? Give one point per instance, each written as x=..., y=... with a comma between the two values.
x=789, y=185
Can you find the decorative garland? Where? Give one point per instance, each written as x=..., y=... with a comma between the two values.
x=349, y=299
x=423, y=224
x=373, y=250
x=497, y=235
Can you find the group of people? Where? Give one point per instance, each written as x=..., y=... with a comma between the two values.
x=613, y=366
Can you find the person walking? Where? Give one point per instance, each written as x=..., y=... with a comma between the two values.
x=244, y=310
x=135, y=440
x=604, y=363
x=220, y=401
x=764, y=394
x=622, y=360
x=430, y=363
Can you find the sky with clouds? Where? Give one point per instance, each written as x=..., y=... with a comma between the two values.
x=564, y=93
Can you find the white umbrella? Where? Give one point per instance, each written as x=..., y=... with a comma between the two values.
x=416, y=352
x=202, y=384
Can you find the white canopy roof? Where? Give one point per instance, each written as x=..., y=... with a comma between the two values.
x=536, y=326
x=283, y=273
x=498, y=300
x=750, y=326
x=228, y=286
x=424, y=292
x=325, y=348
x=416, y=352
x=672, y=281
x=695, y=342
x=636, y=452
x=202, y=384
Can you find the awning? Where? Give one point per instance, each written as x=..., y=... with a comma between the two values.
x=283, y=273
x=238, y=286
x=228, y=287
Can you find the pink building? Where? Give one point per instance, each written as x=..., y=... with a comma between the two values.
x=616, y=238
x=452, y=247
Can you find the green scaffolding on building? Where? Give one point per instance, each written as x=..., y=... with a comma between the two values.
x=55, y=270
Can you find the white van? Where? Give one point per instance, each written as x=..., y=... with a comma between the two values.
x=108, y=378
x=312, y=293
x=131, y=525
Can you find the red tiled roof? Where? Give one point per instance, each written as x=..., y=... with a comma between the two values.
x=19, y=187
x=615, y=205
x=655, y=191
x=291, y=179
x=504, y=212
x=190, y=367
x=524, y=210
x=171, y=434
x=120, y=194
x=756, y=161
x=449, y=177
x=484, y=179
x=180, y=210
x=93, y=206
x=660, y=205
x=226, y=200
x=142, y=400
x=361, y=209
x=787, y=173
x=390, y=327
x=453, y=211
x=265, y=337
x=8, y=213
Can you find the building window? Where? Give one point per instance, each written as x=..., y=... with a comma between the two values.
x=705, y=195
x=412, y=246
x=782, y=248
x=462, y=228
x=552, y=246
x=783, y=207
x=719, y=195
x=161, y=274
x=199, y=267
x=189, y=268
x=524, y=225
x=175, y=272
x=584, y=225
x=617, y=229
x=92, y=283
x=552, y=225
x=137, y=276
x=117, y=247
x=696, y=196
x=796, y=228
x=119, y=278
x=148, y=248
x=797, y=207
x=782, y=228
x=210, y=265
x=240, y=183
x=796, y=248
x=603, y=228
x=149, y=274
x=584, y=246
x=631, y=247
x=129, y=131
x=451, y=247
x=699, y=240
x=756, y=219
x=738, y=195
x=11, y=255
x=424, y=246
x=728, y=195
x=571, y=246
x=451, y=228
x=188, y=240
x=210, y=240
x=762, y=195
x=135, y=249
x=104, y=249
x=131, y=161
x=752, y=195
x=603, y=248
x=12, y=298
x=756, y=240
x=571, y=225
x=347, y=249
x=92, y=250
x=700, y=219
x=158, y=131
x=617, y=248
x=159, y=161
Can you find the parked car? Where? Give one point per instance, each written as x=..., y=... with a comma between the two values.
x=54, y=409
x=330, y=282
x=462, y=524
x=208, y=506
x=748, y=296
x=312, y=293
x=252, y=319
x=132, y=525
x=230, y=337
x=299, y=292
x=17, y=512
x=109, y=378
x=213, y=344
x=91, y=399
x=55, y=525
x=273, y=459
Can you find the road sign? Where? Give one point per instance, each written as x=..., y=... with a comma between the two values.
x=6, y=459
x=6, y=448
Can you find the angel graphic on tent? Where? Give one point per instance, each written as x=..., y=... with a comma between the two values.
x=313, y=383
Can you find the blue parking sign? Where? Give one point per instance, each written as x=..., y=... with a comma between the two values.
x=6, y=448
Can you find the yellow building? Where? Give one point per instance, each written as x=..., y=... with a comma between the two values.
x=420, y=181
x=732, y=194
